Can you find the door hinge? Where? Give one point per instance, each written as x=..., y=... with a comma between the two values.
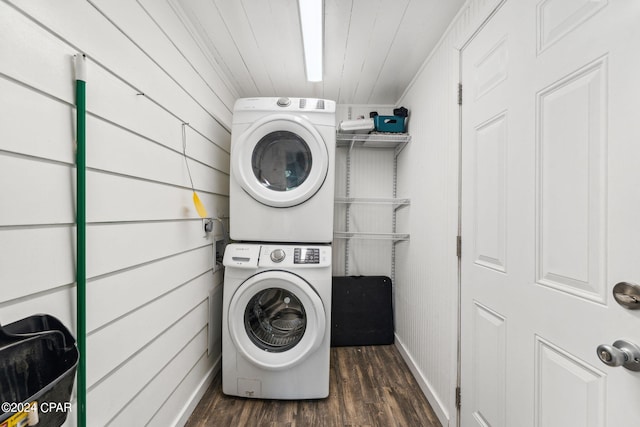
x=458, y=398
x=459, y=93
x=458, y=246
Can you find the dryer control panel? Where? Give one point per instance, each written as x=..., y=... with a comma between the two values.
x=285, y=104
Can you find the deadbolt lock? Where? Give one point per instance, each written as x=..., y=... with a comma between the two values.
x=627, y=295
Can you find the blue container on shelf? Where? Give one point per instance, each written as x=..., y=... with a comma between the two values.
x=393, y=124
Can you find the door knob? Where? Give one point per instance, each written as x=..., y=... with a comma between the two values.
x=621, y=353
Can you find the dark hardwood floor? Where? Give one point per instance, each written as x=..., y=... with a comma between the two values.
x=369, y=386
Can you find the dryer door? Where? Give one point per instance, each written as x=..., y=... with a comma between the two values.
x=280, y=160
x=276, y=319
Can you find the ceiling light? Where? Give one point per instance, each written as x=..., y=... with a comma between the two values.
x=311, y=14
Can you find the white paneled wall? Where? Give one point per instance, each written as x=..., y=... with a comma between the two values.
x=153, y=340
x=426, y=294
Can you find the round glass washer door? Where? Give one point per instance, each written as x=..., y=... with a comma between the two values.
x=281, y=160
x=276, y=319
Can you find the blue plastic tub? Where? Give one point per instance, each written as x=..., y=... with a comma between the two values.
x=393, y=124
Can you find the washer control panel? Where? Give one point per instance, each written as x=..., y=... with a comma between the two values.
x=278, y=255
x=283, y=256
x=306, y=256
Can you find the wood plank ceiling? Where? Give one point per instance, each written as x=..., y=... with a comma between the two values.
x=372, y=48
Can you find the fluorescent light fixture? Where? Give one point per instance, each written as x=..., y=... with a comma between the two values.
x=311, y=14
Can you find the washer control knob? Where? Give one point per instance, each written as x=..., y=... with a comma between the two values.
x=277, y=255
x=283, y=102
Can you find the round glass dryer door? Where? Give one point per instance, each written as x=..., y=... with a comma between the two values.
x=281, y=160
x=276, y=319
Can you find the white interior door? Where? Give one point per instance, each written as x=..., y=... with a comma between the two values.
x=550, y=208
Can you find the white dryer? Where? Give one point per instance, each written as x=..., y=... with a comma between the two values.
x=282, y=170
x=276, y=321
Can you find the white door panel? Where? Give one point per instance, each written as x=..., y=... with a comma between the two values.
x=550, y=201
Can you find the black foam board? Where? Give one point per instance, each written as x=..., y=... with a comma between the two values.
x=361, y=311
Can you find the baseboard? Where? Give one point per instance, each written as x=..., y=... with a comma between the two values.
x=440, y=410
x=195, y=397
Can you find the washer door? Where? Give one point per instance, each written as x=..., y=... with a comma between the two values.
x=276, y=319
x=280, y=160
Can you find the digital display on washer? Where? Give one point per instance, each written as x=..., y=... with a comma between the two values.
x=306, y=256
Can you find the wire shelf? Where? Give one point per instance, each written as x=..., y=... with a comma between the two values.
x=396, y=203
x=396, y=141
x=395, y=237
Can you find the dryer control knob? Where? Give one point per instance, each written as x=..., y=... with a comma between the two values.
x=277, y=255
x=283, y=102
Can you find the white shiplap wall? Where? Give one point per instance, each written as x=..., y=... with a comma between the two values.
x=426, y=288
x=153, y=298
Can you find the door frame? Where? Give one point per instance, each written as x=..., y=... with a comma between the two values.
x=465, y=41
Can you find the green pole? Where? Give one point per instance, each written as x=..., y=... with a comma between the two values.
x=81, y=229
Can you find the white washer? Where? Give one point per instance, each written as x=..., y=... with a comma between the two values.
x=276, y=321
x=282, y=170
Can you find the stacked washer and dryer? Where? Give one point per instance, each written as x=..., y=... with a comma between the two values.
x=277, y=285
